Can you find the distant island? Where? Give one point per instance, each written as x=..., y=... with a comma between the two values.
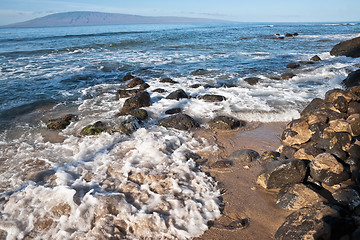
x=84, y=18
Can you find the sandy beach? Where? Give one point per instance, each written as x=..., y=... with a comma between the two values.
x=242, y=197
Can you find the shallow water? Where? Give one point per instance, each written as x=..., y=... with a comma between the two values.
x=140, y=185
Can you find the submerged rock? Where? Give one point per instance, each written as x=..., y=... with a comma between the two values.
x=179, y=121
x=129, y=125
x=61, y=123
x=168, y=80
x=244, y=156
x=287, y=75
x=173, y=111
x=349, y=48
x=94, y=129
x=225, y=123
x=252, y=80
x=315, y=58
x=200, y=72
x=293, y=65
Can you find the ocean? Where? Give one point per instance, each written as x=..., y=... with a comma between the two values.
x=140, y=185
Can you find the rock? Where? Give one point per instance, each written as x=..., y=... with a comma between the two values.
x=173, y=111
x=94, y=129
x=222, y=164
x=168, y=80
x=340, y=104
x=139, y=100
x=134, y=82
x=287, y=151
x=308, y=152
x=196, y=85
x=61, y=123
x=337, y=125
x=159, y=90
x=354, y=121
x=296, y=196
x=280, y=173
x=297, y=132
x=313, y=107
x=354, y=155
x=252, y=80
x=129, y=125
x=326, y=169
x=347, y=197
x=296, y=34
x=315, y=58
x=200, y=72
x=140, y=114
x=340, y=140
x=225, y=123
x=289, y=35
x=244, y=156
x=178, y=94
x=293, y=65
x=332, y=95
x=3, y=234
x=349, y=48
x=212, y=98
x=179, y=121
x=269, y=156
x=353, y=108
x=352, y=80
x=126, y=93
x=308, y=223
x=287, y=75
x=306, y=62
x=127, y=77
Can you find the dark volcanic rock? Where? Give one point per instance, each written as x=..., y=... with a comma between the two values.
x=196, y=85
x=314, y=106
x=159, y=90
x=126, y=93
x=293, y=65
x=139, y=100
x=178, y=94
x=225, y=123
x=349, y=48
x=212, y=98
x=353, y=107
x=173, y=111
x=287, y=75
x=308, y=152
x=168, y=80
x=308, y=223
x=127, y=77
x=134, y=82
x=179, y=121
x=280, y=173
x=297, y=132
x=296, y=196
x=252, y=80
x=61, y=123
x=352, y=80
x=94, y=129
x=347, y=197
x=354, y=122
x=315, y=58
x=325, y=168
x=244, y=156
x=289, y=35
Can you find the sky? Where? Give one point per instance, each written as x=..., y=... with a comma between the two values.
x=12, y=11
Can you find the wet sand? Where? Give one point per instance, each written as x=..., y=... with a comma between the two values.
x=242, y=197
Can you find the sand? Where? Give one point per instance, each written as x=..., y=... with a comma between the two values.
x=243, y=198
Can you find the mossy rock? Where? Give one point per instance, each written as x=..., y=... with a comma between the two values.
x=61, y=123
x=93, y=129
x=140, y=114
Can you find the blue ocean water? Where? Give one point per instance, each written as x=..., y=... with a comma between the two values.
x=145, y=178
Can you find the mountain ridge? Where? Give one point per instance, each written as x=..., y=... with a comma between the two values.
x=87, y=18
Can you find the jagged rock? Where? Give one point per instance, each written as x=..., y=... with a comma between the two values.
x=282, y=172
x=347, y=197
x=334, y=94
x=61, y=123
x=140, y=114
x=308, y=152
x=354, y=122
x=139, y=100
x=168, y=80
x=243, y=156
x=317, y=130
x=297, y=132
x=315, y=58
x=340, y=104
x=252, y=80
x=225, y=123
x=173, y=111
x=212, y=98
x=287, y=151
x=338, y=125
x=313, y=107
x=293, y=65
x=308, y=223
x=326, y=169
x=349, y=48
x=353, y=108
x=127, y=77
x=94, y=129
x=287, y=75
x=122, y=93
x=178, y=94
x=179, y=121
x=296, y=196
x=134, y=82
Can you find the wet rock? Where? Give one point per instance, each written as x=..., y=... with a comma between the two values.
x=134, y=82
x=287, y=75
x=178, y=94
x=315, y=58
x=200, y=72
x=296, y=196
x=347, y=197
x=308, y=223
x=243, y=156
x=353, y=108
x=159, y=90
x=212, y=98
x=289, y=35
x=225, y=123
x=293, y=65
x=252, y=80
x=237, y=224
x=173, y=111
x=341, y=104
x=94, y=129
x=326, y=169
x=196, y=85
x=297, y=132
x=128, y=77
x=122, y=93
x=354, y=122
x=139, y=100
x=179, y=121
x=280, y=173
x=61, y=123
x=349, y=48
x=168, y=80
x=140, y=114
x=129, y=125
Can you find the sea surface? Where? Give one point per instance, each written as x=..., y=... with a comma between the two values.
x=140, y=185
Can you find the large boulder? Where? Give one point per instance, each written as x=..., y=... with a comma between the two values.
x=139, y=100
x=297, y=132
x=349, y=48
x=352, y=80
x=282, y=172
x=179, y=121
x=225, y=123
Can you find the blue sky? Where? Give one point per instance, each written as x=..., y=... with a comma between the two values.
x=12, y=11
